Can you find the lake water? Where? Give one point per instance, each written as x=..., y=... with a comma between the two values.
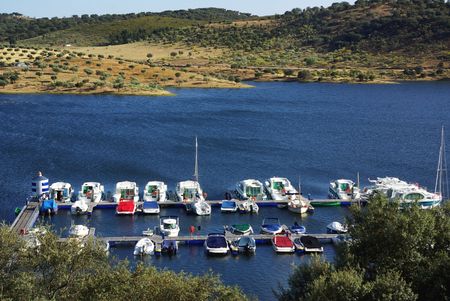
x=317, y=131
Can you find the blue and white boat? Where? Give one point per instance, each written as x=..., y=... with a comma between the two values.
x=150, y=207
x=216, y=243
x=297, y=229
x=48, y=207
x=271, y=225
x=229, y=206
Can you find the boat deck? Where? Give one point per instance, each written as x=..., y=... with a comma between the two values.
x=26, y=218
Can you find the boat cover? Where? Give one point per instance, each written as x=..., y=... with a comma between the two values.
x=126, y=206
x=310, y=242
x=283, y=241
x=49, y=205
x=216, y=242
x=150, y=205
x=229, y=204
x=272, y=227
x=241, y=227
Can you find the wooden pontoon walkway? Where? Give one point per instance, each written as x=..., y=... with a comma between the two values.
x=26, y=218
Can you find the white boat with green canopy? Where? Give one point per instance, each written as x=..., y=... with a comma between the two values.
x=241, y=229
x=251, y=189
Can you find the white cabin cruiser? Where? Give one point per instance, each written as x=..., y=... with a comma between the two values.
x=126, y=191
x=91, y=191
x=250, y=189
x=155, y=191
x=406, y=193
x=343, y=189
x=61, y=192
x=189, y=191
x=169, y=225
x=298, y=205
x=280, y=189
x=199, y=207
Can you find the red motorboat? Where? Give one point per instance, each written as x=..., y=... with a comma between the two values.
x=126, y=207
x=283, y=244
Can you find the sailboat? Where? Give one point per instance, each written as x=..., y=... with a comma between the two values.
x=198, y=204
x=441, y=186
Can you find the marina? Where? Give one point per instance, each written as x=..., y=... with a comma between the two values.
x=240, y=137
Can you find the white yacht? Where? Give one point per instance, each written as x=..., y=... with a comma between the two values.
x=61, y=192
x=280, y=189
x=91, y=191
x=126, y=191
x=155, y=191
x=169, y=225
x=189, y=191
x=343, y=189
x=406, y=193
x=250, y=189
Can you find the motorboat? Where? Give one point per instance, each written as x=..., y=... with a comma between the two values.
x=229, y=206
x=150, y=207
x=297, y=229
x=169, y=247
x=299, y=206
x=144, y=246
x=251, y=189
x=216, y=243
x=336, y=228
x=155, y=191
x=126, y=207
x=279, y=189
x=271, y=225
x=91, y=192
x=189, y=191
x=282, y=244
x=241, y=229
x=48, y=207
x=169, y=226
x=247, y=206
x=343, y=189
x=405, y=193
x=78, y=231
x=80, y=207
x=308, y=244
x=245, y=244
x=199, y=207
x=61, y=192
x=126, y=191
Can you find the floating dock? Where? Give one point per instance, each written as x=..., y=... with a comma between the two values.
x=26, y=219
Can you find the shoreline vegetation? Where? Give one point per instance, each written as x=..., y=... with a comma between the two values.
x=371, y=41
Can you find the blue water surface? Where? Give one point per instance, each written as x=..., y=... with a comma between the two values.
x=316, y=131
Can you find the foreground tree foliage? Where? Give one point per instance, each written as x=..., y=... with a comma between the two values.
x=394, y=255
x=58, y=270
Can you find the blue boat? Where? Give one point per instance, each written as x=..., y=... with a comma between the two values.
x=151, y=207
x=229, y=206
x=298, y=229
x=271, y=225
x=48, y=207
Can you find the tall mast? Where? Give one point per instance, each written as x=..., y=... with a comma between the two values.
x=441, y=185
x=196, y=160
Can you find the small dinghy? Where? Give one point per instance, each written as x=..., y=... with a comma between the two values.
x=336, y=228
x=229, y=206
x=245, y=244
x=282, y=244
x=144, y=247
x=79, y=207
x=297, y=229
x=241, y=229
x=308, y=244
x=271, y=226
x=216, y=243
x=78, y=231
x=248, y=206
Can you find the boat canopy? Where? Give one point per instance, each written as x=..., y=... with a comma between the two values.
x=216, y=241
x=277, y=185
x=253, y=190
x=169, y=224
x=229, y=204
x=150, y=205
x=242, y=227
x=310, y=242
x=152, y=188
x=126, y=193
x=125, y=206
x=282, y=241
